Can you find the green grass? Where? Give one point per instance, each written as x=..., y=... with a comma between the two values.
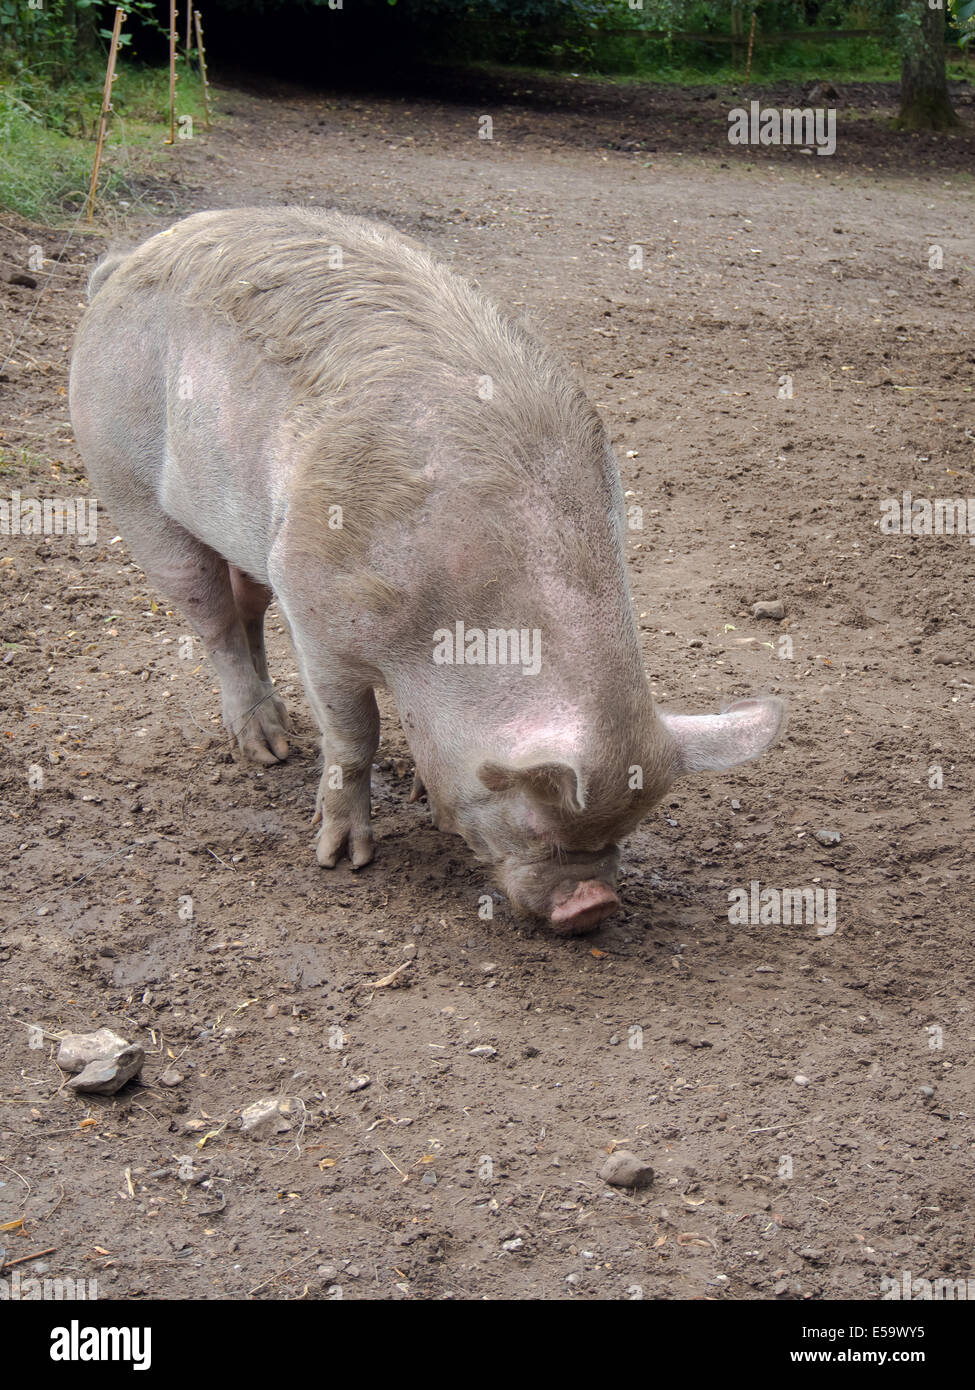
x=632, y=58
x=687, y=64
x=48, y=130
x=24, y=459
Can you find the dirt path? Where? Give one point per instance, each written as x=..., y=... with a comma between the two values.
x=806, y=1099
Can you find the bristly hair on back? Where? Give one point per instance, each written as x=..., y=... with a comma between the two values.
x=365, y=321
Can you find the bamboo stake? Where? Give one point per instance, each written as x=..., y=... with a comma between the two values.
x=203, y=67
x=172, y=74
x=751, y=40
x=189, y=28
x=106, y=108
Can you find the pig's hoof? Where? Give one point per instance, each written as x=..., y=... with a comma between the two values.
x=335, y=840
x=263, y=738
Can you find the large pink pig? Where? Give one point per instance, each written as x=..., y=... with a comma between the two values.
x=276, y=401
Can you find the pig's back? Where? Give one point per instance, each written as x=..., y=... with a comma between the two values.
x=357, y=357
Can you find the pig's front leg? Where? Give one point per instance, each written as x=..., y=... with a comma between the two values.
x=349, y=722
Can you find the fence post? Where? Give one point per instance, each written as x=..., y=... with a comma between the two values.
x=172, y=74
x=751, y=41
x=106, y=108
x=203, y=67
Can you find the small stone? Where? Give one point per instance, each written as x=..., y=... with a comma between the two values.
x=268, y=1116
x=927, y=1092
x=359, y=1083
x=623, y=1169
x=801, y=1080
x=773, y=608
x=827, y=837
x=736, y=805
x=170, y=1077
x=484, y=1051
x=515, y=1244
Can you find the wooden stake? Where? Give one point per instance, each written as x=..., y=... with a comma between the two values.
x=106, y=108
x=172, y=74
x=203, y=67
x=751, y=40
x=189, y=28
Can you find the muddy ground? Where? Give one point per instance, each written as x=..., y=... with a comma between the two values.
x=805, y=1097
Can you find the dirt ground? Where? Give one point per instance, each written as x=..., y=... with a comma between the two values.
x=806, y=1100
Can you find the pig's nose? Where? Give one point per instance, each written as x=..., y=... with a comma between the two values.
x=590, y=901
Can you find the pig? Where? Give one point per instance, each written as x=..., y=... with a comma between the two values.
x=299, y=404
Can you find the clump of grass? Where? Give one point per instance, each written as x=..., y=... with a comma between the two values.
x=48, y=129
x=15, y=463
x=43, y=174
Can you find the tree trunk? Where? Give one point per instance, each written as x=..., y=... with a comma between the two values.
x=925, y=104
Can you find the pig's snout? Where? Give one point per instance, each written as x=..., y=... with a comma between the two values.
x=587, y=904
x=572, y=893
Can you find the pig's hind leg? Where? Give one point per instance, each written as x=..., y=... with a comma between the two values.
x=252, y=600
x=198, y=581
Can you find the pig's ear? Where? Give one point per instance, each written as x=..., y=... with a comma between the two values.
x=555, y=784
x=712, y=742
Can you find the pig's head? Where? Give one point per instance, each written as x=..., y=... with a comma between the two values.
x=551, y=821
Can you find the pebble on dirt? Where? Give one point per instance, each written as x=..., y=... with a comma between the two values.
x=103, y=1061
x=772, y=608
x=271, y=1115
x=827, y=837
x=623, y=1169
